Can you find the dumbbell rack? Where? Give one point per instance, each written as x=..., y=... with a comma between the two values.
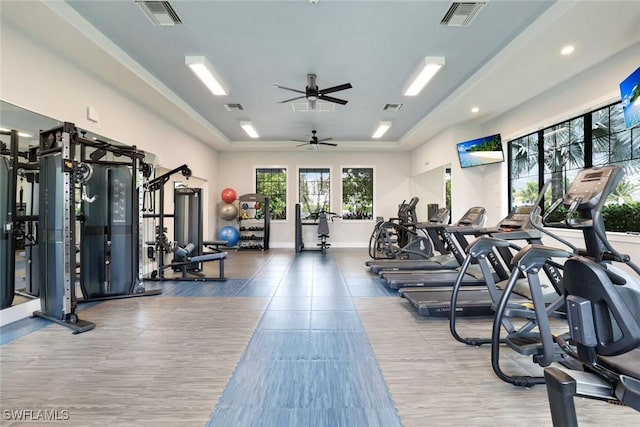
x=253, y=222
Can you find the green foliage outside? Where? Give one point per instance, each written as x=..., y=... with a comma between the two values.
x=274, y=186
x=622, y=218
x=314, y=187
x=447, y=194
x=357, y=193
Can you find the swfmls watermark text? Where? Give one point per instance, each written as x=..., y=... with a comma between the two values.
x=35, y=414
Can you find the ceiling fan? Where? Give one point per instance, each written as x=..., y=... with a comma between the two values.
x=314, y=141
x=312, y=93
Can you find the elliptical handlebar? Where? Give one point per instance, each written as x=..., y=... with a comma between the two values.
x=538, y=224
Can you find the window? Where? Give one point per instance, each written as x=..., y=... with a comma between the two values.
x=272, y=183
x=314, y=186
x=357, y=193
x=563, y=156
x=523, y=164
x=557, y=153
x=615, y=144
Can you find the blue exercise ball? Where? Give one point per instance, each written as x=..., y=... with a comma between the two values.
x=230, y=234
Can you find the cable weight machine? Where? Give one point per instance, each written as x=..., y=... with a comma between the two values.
x=109, y=241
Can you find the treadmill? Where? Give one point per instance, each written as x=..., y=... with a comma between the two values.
x=439, y=233
x=473, y=274
x=480, y=300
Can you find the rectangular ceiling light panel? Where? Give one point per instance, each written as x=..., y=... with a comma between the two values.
x=201, y=68
x=383, y=127
x=430, y=66
x=249, y=129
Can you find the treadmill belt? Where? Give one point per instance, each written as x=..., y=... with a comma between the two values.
x=474, y=301
x=425, y=264
x=427, y=280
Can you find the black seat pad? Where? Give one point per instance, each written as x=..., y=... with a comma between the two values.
x=626, y=364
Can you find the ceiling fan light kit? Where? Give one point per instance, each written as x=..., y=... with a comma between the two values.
x=312, y=93
x=314, y=141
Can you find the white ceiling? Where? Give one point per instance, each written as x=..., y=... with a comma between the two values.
x=508, y=55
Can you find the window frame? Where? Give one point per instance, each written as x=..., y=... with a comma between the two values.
x=255, y=187
x=303, y=167
x=373, y=193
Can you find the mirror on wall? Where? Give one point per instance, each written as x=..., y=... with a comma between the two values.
x=24, y=258
x=431, y=188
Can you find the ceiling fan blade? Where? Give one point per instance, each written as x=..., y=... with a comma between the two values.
x=302, y=145
x=335, y=88
x=291, y=99
x=288, y=88
x=325, y=139
x=300, y=140
x=333, y=144
x=332, y=99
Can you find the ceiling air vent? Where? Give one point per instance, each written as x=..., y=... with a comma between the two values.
x=160, y=13
x=461, y=14
x=392, y=107
x=234, y=107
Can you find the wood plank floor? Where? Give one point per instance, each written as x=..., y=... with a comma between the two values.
x=185, y=357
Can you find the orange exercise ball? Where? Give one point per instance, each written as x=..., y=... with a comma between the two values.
x=228, y=195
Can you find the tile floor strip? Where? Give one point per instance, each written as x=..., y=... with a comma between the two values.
x=309, y=362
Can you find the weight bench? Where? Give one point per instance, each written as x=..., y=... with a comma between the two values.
x=214, y=245
x=182, y=260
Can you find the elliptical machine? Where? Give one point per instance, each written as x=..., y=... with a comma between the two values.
x=601, y=324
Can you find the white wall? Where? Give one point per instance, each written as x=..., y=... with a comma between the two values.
x=391, y=186
x=37, y=79
x=430, y=188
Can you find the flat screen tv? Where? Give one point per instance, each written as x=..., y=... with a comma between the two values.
x=630, y=94
x=481, y=151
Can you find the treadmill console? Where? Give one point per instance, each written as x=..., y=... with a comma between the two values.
x=441, y=217
x=474, y=216
x=518, y=219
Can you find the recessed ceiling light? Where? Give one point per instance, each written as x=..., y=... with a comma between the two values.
x=382, y=128
x=249, y=129
x=428, y=69
x=567, y=50
x=201, y=68
x=475, y=109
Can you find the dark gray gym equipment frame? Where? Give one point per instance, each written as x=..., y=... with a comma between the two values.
x=157, y=184
x=7, y=222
